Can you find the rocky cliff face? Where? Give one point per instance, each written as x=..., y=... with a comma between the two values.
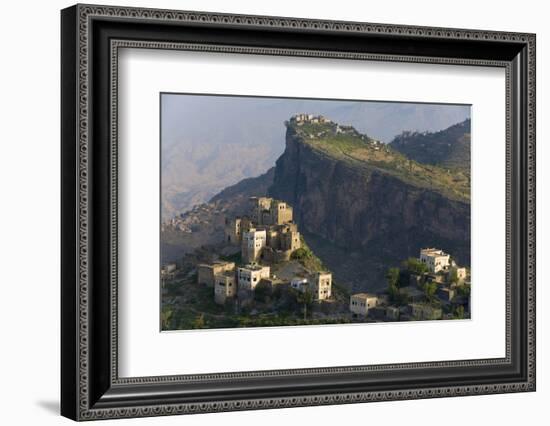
x=374, y=215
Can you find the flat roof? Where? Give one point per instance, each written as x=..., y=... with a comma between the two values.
x=364, y=295
x=226, y=274
x=253, y=267
x=433, y=251
x=216, y=263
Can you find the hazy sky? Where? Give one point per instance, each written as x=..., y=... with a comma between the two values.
x=210, y=142
x=183, y=113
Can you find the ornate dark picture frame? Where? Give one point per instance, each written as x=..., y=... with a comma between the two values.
x=91, y=37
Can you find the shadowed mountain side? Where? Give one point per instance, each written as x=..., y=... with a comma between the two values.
x=369, y=202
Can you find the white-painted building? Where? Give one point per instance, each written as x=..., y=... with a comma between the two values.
x=360, y=303
x=299, y=283
x=318, y=283
x=436, y=260
x=253, y=242
x=249, y=276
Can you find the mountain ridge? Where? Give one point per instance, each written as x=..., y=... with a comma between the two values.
x=381, y=217
x=346, y=144
x=449, y=148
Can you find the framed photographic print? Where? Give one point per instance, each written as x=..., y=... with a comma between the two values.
x=263, y=212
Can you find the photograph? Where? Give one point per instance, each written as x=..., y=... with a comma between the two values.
x=288, y=206
x=281, y=212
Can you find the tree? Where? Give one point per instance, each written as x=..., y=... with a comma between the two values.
x=464, y=290
x=301, y=254
x=393, y=277
x=262, y=292
x=393, y=284
x=429, y=291
x=199, y=321
x=305, y=298
x=165, y=317
x=453, y=276
x=415, y=266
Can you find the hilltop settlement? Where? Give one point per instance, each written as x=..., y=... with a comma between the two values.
x=264, y=274
x=274, y=279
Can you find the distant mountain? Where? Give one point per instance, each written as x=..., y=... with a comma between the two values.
x=212, y=142
x=236, y=197
x=449, y=148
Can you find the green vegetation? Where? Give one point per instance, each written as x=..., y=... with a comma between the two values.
x=453, y=277
x=305, y=299
x=428, y=311
x=277, y=321
x=199, y=322
x=188, y=305
x=459, y=312
x=428, y=306
x=448, y=148
x=415, y=266
x=397, y=297
x=262, y=293
x=307, y=258
x=301, y=254
x=236, y=257
x=315, y=128
x=361, y=151
x=430, y=289
x=463, y=290
x=166, y=317
x=393, y=278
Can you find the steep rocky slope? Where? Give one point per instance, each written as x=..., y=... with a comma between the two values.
x=363, y=200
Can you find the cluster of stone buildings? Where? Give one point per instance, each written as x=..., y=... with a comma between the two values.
x=266, y=236
x=333, y=128
x=239, y=282
x=441, y=270
x=301, y=119
x=192, y=220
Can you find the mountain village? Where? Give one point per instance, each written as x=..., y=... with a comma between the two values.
x=262, y=272
x=268, y=252
x=268, y=239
